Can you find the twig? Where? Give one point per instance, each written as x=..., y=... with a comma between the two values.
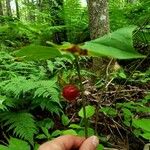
x=107, y=72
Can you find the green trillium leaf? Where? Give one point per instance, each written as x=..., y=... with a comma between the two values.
x=118, y=44
x=37, y=52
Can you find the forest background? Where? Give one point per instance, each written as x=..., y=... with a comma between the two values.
x=102, y=48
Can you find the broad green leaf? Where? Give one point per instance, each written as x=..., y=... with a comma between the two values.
x=69, y=132
x=75, y=126
x=2, y=147
x=118, y=44
x=90, y=110
x=37, y=52
x=108, y=111
x=56, y=133
x=16, y=144
x=142, y=123
x=127, y=113
x=65, y=120
x=36, y=146
x=90, y=132
x=127, y=116
x=100, y=147
x=146, y=135
x=41, y=136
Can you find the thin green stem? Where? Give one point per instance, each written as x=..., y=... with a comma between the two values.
x=82, y=96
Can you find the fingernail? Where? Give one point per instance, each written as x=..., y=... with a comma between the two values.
x=95, y=140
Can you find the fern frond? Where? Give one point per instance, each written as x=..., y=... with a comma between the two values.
x=46, y=104
x=22, y=124
x=47, y=88
x=41, y=88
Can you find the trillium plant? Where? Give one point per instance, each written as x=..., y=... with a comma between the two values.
x=118, y=45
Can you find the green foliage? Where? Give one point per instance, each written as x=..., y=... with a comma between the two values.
x=16, y=144
x=69, y=132
x=109, y=111
x=118, y=44
x=90, y=111
x=22, y=124
x=129, y=111
x=141, y=77
x=11, y=35
x=33, y=52
x=100, y=147
x=76, y=21
x=18, y=86
x=123, y=13
x=144, y=125
x=25, y=84
x=65, y=120
x=30, y=100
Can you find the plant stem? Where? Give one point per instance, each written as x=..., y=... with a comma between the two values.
x=82, y=96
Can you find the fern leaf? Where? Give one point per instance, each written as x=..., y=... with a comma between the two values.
x=47, y=104
x=22, y=124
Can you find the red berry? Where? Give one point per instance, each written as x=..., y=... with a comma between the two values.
x=70, y=92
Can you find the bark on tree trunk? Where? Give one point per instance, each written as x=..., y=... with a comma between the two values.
x=8, y=7
x=1, y=8
x=98, y=18
x=99, y=26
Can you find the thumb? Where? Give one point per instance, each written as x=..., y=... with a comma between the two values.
x=90, y=143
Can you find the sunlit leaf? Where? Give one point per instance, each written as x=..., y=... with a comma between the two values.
x=142, y=123
x=69, y=132
x=90, y=110
x=37, y=52
x=118, y=44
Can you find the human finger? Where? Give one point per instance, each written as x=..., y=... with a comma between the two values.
x=90, y=143
x=65, y=142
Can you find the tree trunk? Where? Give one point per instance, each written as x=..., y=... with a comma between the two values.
x=98, y=26
x=98, y=18
x=1, y=8
x=17, y=9
x=8, y=7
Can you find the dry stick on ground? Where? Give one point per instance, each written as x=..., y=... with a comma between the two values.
x=118, y=89
x=116, y=92
x=109, y=129
x=99, y=99
x=130, y=131
x=127, y=143
x=118, y=131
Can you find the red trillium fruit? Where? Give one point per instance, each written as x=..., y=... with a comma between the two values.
x=70, y=92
